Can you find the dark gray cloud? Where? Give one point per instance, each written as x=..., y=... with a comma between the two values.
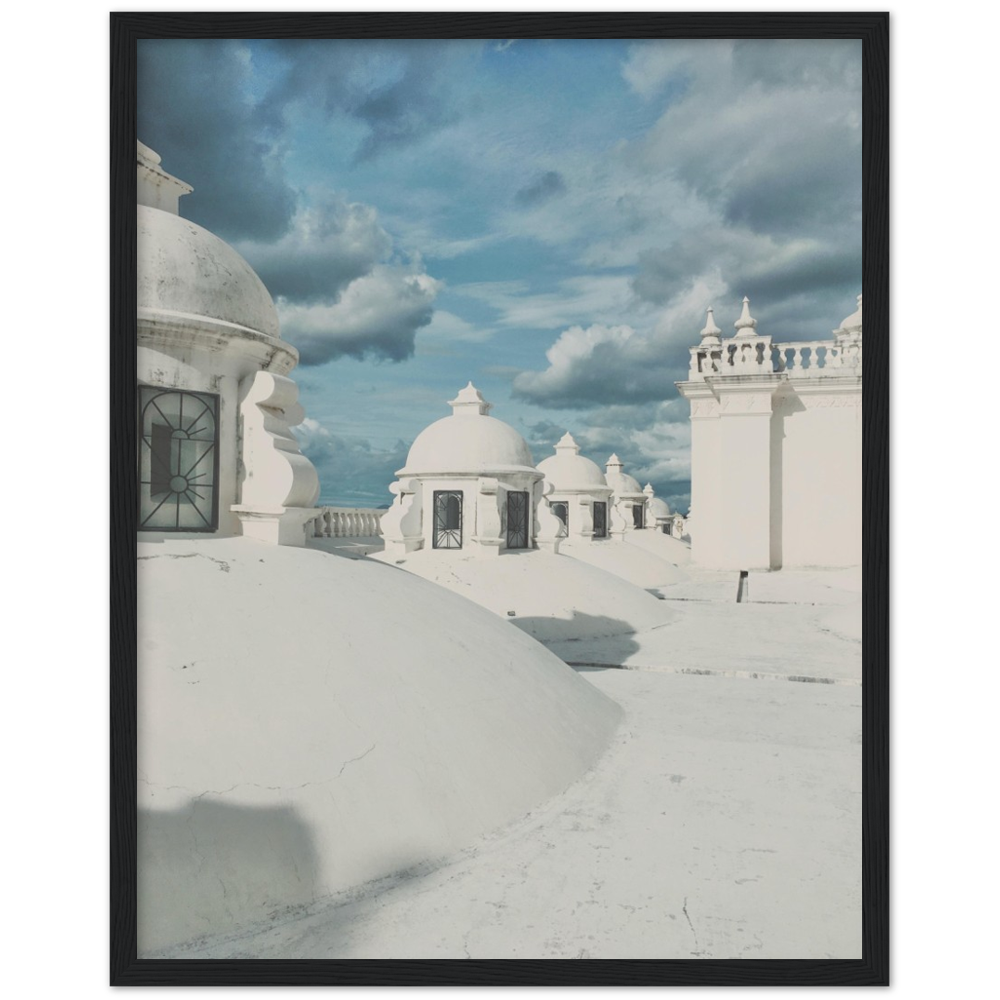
x=770, y=272
x=542, y=189
x=399, y=89
x=194, y=109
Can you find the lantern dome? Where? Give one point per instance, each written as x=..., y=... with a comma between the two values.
x=469, y=442
x=568, y=471
x=622, y=483
x=658, y=508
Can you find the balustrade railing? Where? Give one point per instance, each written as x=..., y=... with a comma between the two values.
x=757, y=356
x=347, y=522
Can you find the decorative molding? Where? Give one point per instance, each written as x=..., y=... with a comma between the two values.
x=277, y=479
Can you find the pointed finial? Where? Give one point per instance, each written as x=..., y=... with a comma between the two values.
x=648, y=490
x=470, y=401
x=711, y=333
x=746, y=324
x=566, y=443
x=614, y=460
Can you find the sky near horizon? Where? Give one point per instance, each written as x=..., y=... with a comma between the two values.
x=548, y=219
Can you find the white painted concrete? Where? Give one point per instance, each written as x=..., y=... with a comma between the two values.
x=292, y=746
x=776, y=448
x=724, y=823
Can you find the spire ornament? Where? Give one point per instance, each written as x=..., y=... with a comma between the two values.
x=746, y=325
x=711, y=335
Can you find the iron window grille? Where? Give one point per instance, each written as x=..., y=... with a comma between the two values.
x=517, y=520
x=178, y=460
x=600, y=519
x=447, y=519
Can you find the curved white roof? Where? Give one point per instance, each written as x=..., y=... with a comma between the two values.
x=622, y=483
x=568, y=471
x=184, y=270
x=469, y=442
x=658, y=508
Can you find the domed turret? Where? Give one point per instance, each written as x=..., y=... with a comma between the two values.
x=576, y=491
x=476, y=477
x=469, y=442
x=568, y=470
x=216, y=452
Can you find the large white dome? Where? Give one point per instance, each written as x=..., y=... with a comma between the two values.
x=469, y=442
x=186, y=271
x=568, y=471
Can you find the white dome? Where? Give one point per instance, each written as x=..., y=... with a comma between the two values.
x=184, y=270
x=622, y=483
x=658, y=508
x=568, y=471
x=469, y=442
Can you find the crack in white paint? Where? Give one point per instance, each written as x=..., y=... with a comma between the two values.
x=254, y=784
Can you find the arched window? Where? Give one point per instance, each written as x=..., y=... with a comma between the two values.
x=561, y=510
x=178, y=460
x=447, y=519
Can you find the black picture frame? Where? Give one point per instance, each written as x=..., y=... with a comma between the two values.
x=873, y=968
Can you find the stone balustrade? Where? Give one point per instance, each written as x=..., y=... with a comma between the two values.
x=346, y=522
x=758, y=356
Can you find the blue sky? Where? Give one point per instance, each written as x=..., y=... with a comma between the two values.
x=549, y=219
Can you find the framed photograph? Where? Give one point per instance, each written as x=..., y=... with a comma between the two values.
x=499, y=568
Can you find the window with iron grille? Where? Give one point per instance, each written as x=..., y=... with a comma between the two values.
x=517, y=520
x=600, y=519
x=178, y=460
x=447, y=519
x=561, y=510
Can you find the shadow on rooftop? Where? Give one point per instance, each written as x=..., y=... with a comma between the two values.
x=576, y=633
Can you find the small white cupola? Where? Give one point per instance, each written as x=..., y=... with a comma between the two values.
x=475, y=477
x=576, y=491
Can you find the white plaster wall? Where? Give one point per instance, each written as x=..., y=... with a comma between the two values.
x=706, y=482
x=821, y=478
x=469, y=487
x=746, y=492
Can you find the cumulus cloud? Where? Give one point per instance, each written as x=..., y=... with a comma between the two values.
x=607, y=365
x=328, y=245
x=377, y=316
x=352, y=472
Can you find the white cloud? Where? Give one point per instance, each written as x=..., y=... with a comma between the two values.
x=377, y=315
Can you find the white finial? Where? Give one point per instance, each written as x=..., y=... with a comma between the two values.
x=852, y=325
x=746, y=324
x=566, y=443
x=711, y=333
x=648, y=490
x=470, y=402
x=614, y=460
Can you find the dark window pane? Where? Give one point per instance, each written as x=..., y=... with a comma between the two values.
x=600, y=519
